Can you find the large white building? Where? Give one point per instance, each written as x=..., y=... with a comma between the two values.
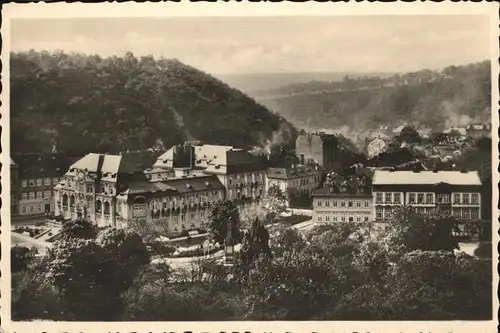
x=299, y=179
x=454, y=192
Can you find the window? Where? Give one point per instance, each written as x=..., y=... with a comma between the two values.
x=23, y=209
x=466, y=213
x=39, y=182
x=420, y=198
x=388, y=212
x=350, y=204
x=335, y=218
x=46, y=181
x=475, y=198
x=327, y=218
x=388, y=198
x=319, y=203
x=358, y=204
x=32, y=209
x=24, y=183
x=412, y=198
x=39, y=195
x=32, y=195
x=47, y=194
x=443, y=198
x=320, y=218
x=351, y=219
x=358, y=218
x=39, y=208
x=378, y=212
x=378, y=198
x=429, y=199
x=90, y=189
x=457, y=212
x=334, y=203
x=32, y=183
x=397, y=198
x=367, y=203
x=138, y=210
x=342, y=218
x=366, y=218
x=191, y=216
x=465, y=198
x=474, y=214
x=24, y=196
x=327, y=203
x=456, y=198
x=342, y=203
x=183, y=218
x=55, y=181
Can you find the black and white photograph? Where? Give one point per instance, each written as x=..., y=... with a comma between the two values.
x=260, y=168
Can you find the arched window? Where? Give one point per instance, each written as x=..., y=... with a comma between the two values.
x=65, y=200
x=72, y=200
x=106, y=208
x=98, y=206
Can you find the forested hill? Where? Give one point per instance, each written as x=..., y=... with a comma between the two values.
x=85, y=103
x=456, y=95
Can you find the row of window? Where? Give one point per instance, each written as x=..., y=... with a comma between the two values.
x=39, y=195
x=335, y=203
x=463, y=213
x=140, y=210
x=32, y=209
x=426, y=198
x=248, y=178
x=303, y=181
x=343, y=218
x=39, y=182
x=246, y=192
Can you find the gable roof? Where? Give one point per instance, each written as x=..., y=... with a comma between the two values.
x=41, y=165
x=287, y=173
x=112, y=164
x=383, y=177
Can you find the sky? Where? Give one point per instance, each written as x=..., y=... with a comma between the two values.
x=228, y=45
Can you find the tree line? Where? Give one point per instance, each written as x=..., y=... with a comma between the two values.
x=126, y=103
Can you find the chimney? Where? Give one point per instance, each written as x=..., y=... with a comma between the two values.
x=302, y=159
x=192, y=157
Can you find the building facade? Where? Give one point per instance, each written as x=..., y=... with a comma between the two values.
x=320, y=147
x=14, y=188
x=453, y=192
x=302, y=180
x=331, y=205
x=37, y=174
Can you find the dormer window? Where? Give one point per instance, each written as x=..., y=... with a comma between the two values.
x=208, y=184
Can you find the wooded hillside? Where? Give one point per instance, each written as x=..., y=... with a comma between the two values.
x=456, y=95
x=85, y=103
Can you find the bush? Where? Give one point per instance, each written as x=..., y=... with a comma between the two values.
x=160, y=248
x=484, y=250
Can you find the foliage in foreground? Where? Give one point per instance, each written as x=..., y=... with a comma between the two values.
x=332, y=272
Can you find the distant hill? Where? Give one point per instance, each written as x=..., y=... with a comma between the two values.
x=257, y=84
x=85, y=103
x=457, y=95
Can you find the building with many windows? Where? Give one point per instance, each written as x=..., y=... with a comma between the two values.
x=299, y=179
x=343, y=203
x=453, y=192
x=35, y=176
x=320, y=147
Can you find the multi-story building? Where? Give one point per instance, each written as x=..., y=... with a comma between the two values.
x=90, y=187
x=14, y=188
x=342, y=204
x=453, y=192
x=36, y=176
x=298, y=179
x=172, y=206
x=476, y=131
x=319, y=147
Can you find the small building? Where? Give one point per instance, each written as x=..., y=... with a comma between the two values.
x=454, y=192
x=376, y=147
x=333, y=204
x=476, y=131
x=300, y=179
x=319, y=147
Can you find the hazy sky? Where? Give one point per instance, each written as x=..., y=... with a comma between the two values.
x=270, y=45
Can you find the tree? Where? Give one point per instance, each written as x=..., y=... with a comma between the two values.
x=78, y=229
x=20, y=257
x=275, y=202
x=409, y=134
x=484, y=144
x=484, y=250
x=409, y=231
x=255, y=243
x=92, y=273
x=223, y=212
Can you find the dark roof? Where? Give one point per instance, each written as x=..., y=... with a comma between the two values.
x=142, y=159
x=288, y=173
x=176, y=186
x=333, y=191
x=40, y=165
